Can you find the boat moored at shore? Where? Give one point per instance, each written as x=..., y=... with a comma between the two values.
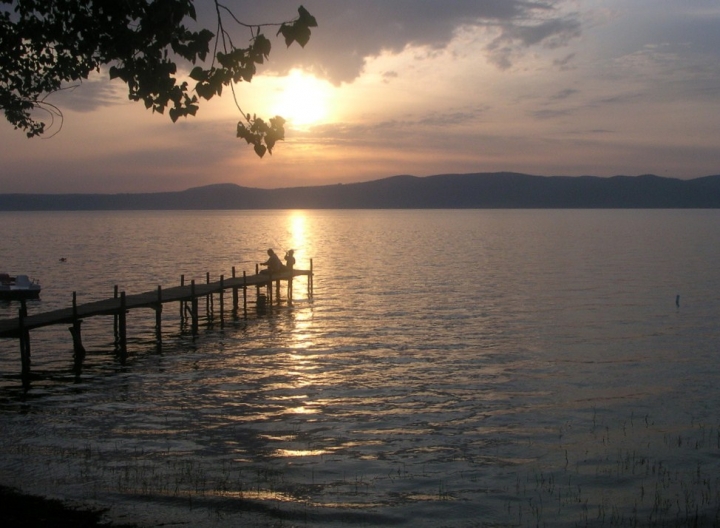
x=18, y=287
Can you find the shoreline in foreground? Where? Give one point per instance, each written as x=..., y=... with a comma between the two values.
x=19, y=509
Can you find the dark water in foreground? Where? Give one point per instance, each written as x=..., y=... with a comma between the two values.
x=454, y=368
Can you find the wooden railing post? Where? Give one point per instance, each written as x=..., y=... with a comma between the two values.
x=245, y=315
x=310, y=280
x=78, y=348
x=235, y=292
x=182, y=303
x=209, y=309
x=158, y=318
x=115, y=317
x=194, y=309
x=290, y=289
x=221, y=300
x=24, y=344
x=122, y=316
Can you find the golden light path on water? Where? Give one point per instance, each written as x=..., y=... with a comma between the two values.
x=297, y=228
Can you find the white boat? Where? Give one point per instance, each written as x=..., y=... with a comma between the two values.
x=18, y=287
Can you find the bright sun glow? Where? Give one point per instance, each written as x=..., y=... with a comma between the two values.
x=303, y=99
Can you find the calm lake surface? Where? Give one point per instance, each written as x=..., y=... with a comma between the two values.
x=453, y=368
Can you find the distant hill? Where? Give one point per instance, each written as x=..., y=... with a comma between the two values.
x=504, y=190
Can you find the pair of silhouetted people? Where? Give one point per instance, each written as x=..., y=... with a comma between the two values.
x=275, y=265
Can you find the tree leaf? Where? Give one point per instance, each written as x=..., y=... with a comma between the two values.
x=260, y=149
x=306, y=18
x=198, y=74
x=262, y=45
x=288, y=32
x=302, y=35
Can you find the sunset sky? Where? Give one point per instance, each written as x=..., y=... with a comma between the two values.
x=422, y=87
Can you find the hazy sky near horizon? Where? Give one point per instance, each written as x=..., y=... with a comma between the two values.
x=386, y=87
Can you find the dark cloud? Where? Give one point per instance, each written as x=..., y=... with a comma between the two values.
x=349, y=32
x=622, y=98
x=515, y=38
x=551, y=114
x=441, y=119
x=565, y=62
x=89, y=95
x=389, y=75
x=408, y=131
x=433, y=120
x=564, y=94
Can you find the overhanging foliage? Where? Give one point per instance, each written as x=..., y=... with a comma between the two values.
x=46, y=45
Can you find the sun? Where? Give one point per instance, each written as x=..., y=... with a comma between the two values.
x=303, y=99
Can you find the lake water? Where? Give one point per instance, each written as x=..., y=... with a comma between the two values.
x=453, y=368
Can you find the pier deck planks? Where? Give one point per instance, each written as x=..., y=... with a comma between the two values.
x=10, y=328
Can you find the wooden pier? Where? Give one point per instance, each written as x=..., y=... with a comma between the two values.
x=187, y=295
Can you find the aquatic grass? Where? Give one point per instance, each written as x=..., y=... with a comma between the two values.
x=619, y=473
x=614, y=480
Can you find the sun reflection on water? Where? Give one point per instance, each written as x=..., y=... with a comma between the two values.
x=297, y=230
x=300, y=452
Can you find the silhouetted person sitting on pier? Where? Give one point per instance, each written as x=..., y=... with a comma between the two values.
x=273, y=263
x=290, y=259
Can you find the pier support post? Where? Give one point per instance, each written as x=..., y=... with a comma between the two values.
x=182, y=303
x=209, y=305
x=258, y=287
x=74, y=306
x=290, y=290
x=235, y=292
x=310, y=280
x=261, y=304
x=158, y=319
x=24, y=344
x=122, y=320
x=245, y=315
x=115, y=317
x=78, y=348
x=221, y=300
x=194, y=308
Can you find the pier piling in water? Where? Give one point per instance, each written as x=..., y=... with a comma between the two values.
x=24, y=335
x=245, y=315
x=158, y=318
x=122, y=316
x=193, y=309
x=221, y=300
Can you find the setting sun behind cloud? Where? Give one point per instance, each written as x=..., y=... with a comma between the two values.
x=302, y=99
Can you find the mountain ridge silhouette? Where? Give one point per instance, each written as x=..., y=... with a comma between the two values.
x=497, y=190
